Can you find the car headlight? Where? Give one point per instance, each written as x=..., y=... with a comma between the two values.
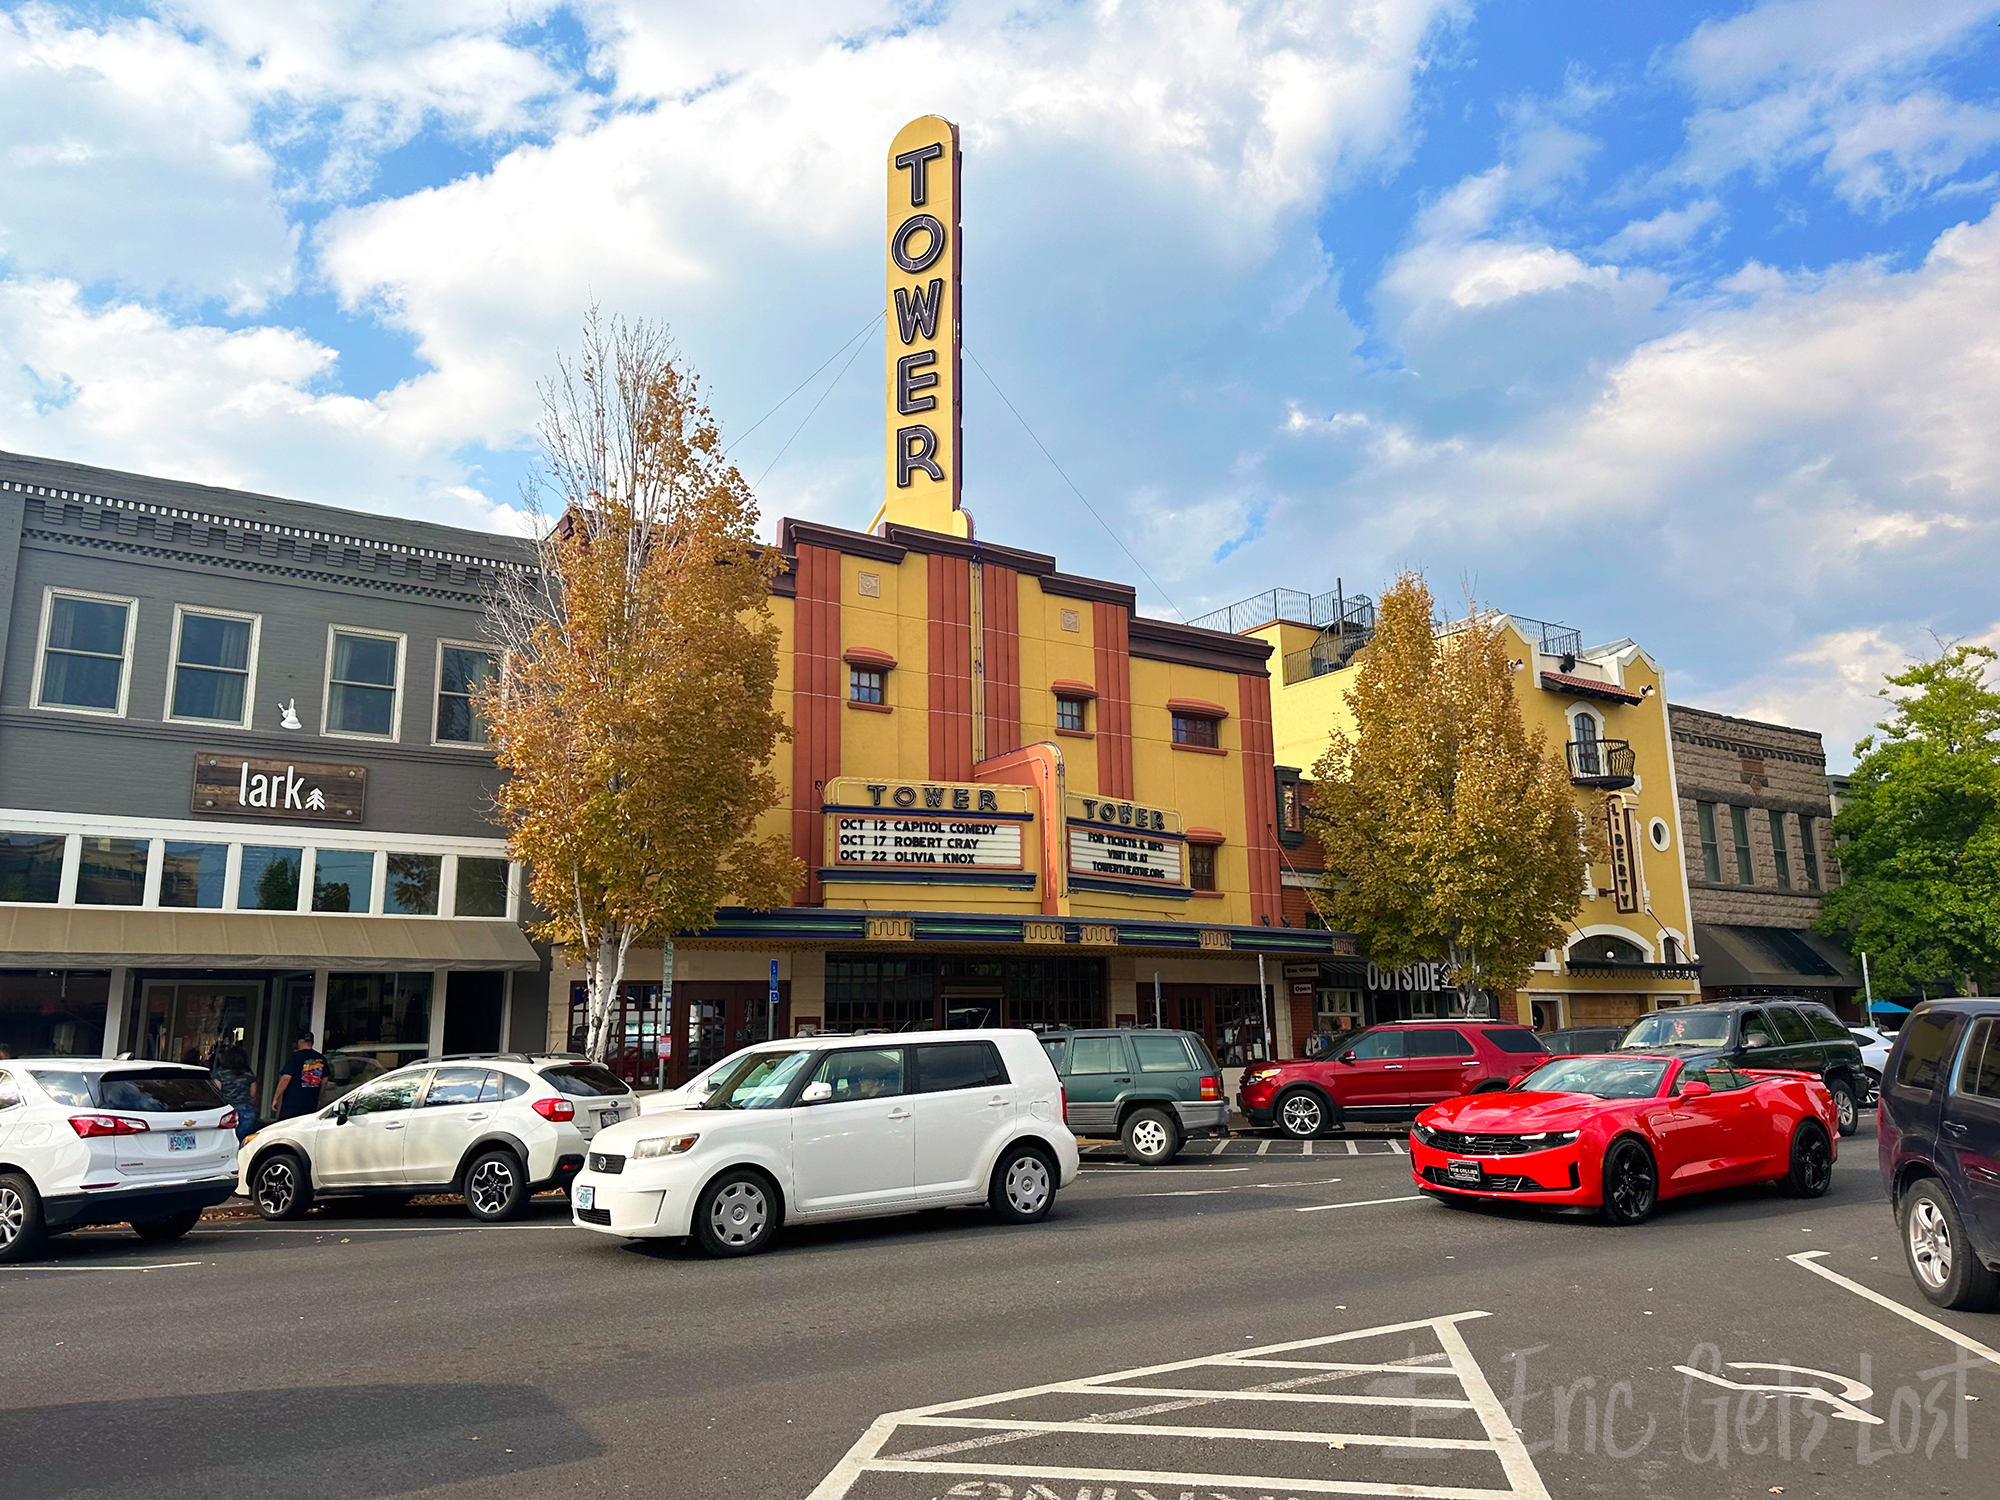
x=1551, y=1137
x=663, y=1145
x=1424, y=1133
x=1258, y=1075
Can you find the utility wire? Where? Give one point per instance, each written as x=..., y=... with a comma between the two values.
x=1072, y=485
x=815, y=406
x=806, y=382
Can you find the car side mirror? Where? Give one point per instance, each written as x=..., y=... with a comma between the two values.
x=1347, y=1056
x=1695, y=1091
x=1517, y=1080
x=1755, y=1040
x=816, y=1093
x=340, y=1113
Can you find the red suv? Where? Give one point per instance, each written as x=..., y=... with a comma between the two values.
x=1387, y=1073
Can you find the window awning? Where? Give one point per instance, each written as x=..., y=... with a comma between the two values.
x=1771, y=957
x=52, y=937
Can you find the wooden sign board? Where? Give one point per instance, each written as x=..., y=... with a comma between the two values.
x=289, y=791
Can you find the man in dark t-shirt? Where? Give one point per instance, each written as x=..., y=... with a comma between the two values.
x=299, y=1083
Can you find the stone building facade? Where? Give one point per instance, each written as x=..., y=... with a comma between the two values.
x=1757, y=839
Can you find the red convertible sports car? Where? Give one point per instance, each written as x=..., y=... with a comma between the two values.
x=1620, y=1132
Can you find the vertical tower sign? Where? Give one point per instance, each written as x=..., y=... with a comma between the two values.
x=923, y=364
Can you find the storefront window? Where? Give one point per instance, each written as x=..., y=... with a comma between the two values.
x=192, y=875
x=481, y=888
x=30, y=866
x=412, y=888
x=112, y=872
x=392, y=1011
x=270, y=879
x=892, y=994
x=343, y=879
x=633, y=1042
x=53, y=1015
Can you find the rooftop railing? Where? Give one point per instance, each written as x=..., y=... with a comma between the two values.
x=1294, y=606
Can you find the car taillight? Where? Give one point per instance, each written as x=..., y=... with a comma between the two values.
x=90, y=1125
x=1211, y=1088
x=227, y=1122
x=1063, y=1094
x=554, y=1109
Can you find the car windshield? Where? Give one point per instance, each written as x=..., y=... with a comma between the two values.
x=1606, y=1077
x=1698, y=1028
x=759, y=1082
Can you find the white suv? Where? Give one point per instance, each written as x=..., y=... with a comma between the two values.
x=87, y=1140
x=838, y=1128
x=496, y=1128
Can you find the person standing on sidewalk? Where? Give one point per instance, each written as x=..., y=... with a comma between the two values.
x=238, y=1087
x=299, y=1084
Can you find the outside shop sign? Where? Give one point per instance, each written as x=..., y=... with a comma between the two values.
x=297, y=791
x=923, y=362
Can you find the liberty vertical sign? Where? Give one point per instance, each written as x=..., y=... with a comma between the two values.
x=923, y=369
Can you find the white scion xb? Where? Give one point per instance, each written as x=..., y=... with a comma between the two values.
x=87, y=1140
x=838, y=1128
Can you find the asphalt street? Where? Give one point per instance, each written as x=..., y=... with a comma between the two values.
x=1241, y=1325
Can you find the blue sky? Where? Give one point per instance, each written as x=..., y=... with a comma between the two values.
x=1679, y=322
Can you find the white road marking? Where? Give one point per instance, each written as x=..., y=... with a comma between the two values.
x=1309, y=1148
x=165, y=1265
x=1842, y=1401
x=1264, y=1146
x=1320, y=1208
x=1237, y=1187
x=1353, y=1149
x=1451, y=1358
x=1810, y=1260
x=1205, y=1171
x=1219, y=1145
x=404, y=1229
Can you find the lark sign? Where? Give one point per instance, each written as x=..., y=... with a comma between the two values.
x=293, y=791
x=1124, y=841
x=924, y=826
x=924, y=361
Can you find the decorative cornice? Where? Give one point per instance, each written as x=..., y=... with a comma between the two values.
x=1190, y=645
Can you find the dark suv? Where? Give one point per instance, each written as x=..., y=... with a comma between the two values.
x=1387, y=1072
x=1778, y=1031
x=1938, y=1137
x=1149, y=1089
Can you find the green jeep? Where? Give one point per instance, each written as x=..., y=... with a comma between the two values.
x=1149, y=1089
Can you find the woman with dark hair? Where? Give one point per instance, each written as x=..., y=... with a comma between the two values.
x=238, y=1085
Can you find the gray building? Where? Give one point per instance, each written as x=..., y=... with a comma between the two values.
x=1757, y=837
x=242, y=788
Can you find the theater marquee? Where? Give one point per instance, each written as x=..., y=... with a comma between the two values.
x=925, y=827
x=1126, y=842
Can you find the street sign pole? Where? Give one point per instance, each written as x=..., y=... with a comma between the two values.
x=771, y=1029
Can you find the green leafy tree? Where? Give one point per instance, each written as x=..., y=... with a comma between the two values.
x=1448, y=827
x=1920, y=831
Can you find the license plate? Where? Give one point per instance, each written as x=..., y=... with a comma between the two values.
x=586, y=1197
x=1463, y=1171
x=606, y=1118
x=181, y=1140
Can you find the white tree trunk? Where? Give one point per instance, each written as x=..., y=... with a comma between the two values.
x=606, y=973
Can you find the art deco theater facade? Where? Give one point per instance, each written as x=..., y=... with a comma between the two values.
x=1018, y=801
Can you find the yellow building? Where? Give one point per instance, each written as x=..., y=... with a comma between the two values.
x=1018, y=801
x=1606, y=707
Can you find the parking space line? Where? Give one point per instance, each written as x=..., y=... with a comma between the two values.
x=995, y=1427
x=1264, y=1146
x=1309, y=1148
x=1320, y=1208
x=395, y=1229
x=1219, y=1146
x=165, y=1265
x=1810, y=1259
x=1246, y=1434
x=1205, y=1171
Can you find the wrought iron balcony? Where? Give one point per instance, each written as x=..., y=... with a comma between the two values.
x=1608, y=764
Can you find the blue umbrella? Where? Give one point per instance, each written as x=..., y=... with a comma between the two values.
x=1892, y=1007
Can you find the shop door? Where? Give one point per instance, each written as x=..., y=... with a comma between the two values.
x=195, y=1019
x=968, y=1005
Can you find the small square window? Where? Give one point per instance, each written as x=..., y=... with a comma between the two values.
x=112, y=872
x=31, y=866
x=1201, y=866
x=1190, y=730
x=343, y=880
x=866, y=685
x=1071, y=714
x=412, y=887
x=191, y=875
x=269, y=879
x=481, y=887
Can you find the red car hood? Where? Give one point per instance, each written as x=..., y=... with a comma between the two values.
x=1513, y=1114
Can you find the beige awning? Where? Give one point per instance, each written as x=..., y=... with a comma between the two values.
x=50, y=937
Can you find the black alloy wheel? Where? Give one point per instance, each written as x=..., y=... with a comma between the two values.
x=496, y=1186
x=20, y=1218
x=1845, y=1109
x=280, y=1187
x=1811, y=1171
x=1301, y=1114
x=1631, y=1183
x=170, y=1228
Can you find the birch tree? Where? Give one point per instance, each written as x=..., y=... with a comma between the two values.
x=1448, y=828
x=634, y=712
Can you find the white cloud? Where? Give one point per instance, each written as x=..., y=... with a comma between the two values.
x=1840, y=82
x=1669, y=230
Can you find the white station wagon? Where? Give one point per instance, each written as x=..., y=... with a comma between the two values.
x=838, y=1128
